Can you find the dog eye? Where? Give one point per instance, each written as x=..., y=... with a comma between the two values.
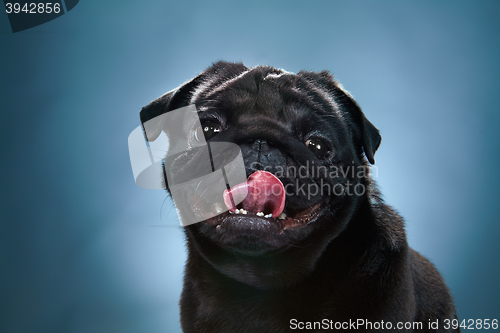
x=318, y=147
x=209, y=129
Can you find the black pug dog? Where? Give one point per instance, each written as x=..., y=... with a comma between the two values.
x=327, y=255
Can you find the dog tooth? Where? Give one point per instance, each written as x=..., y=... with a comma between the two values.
x=282, y=216
x=244, y=211
x=237, y=211
x=268, y=215
x=260, y=214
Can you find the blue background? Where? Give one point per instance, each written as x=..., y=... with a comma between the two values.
x=83, y=249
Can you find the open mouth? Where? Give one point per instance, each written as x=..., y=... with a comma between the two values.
x=262, y=205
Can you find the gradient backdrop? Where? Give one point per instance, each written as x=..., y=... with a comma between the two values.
x=83, y=249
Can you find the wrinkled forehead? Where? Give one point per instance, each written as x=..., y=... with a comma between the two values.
x=278, y=94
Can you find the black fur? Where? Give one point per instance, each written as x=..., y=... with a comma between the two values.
x=352, y=262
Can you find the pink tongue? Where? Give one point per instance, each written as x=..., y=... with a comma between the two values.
x=266, y=194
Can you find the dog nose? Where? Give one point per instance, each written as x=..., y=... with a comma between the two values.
x=260, y=154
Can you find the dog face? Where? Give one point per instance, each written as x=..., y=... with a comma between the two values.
x=303, y=140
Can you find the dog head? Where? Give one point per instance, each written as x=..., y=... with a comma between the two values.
x=306, y=146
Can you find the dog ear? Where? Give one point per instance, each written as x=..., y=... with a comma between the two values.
x=371, y=138
x=182, y=95
x=366, y=135
x=171, y=100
